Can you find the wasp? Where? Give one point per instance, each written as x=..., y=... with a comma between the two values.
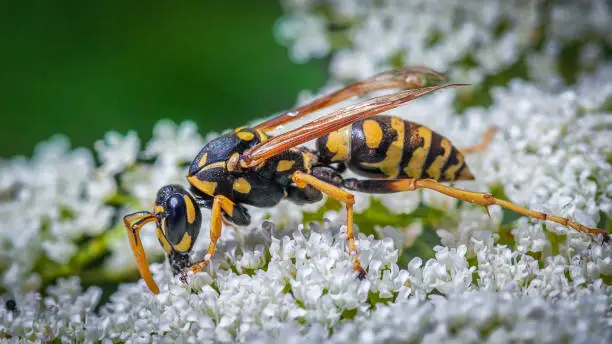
x=249, y=166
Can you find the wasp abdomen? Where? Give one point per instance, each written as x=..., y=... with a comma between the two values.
x=391, y=148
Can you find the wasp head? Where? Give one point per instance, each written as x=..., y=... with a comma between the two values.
x=178, y=221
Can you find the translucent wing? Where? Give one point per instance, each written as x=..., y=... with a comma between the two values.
x=402, y=78
x=334, y=121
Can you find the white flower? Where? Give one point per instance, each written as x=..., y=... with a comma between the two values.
x=174, y=144
x=487, y=278
x=276, y=278
x=471, y=39
x=117, y=152
x=307, y=32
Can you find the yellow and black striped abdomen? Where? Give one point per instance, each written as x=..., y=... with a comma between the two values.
x=389, y=147
x=428, y=154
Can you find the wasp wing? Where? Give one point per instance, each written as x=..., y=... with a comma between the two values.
x=403, y=78
x=332, y=122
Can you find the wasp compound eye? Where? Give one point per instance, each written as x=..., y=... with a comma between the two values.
x=181, y=224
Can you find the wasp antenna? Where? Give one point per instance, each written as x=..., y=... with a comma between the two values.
x=134, y=223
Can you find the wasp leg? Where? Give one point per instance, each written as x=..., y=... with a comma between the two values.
x=487, y=138
x=482, y=199
x=404, y=78
x=206, y=203
x=372, y=186
x=328, y=175
x=220, y=204
x=302, y=180
x=134, y=223
x=309, y=194
x=240, y=216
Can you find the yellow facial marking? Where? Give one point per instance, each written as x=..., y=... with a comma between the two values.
x=163, y=241
x=373, y=133
x=158, y=209
x=339, y=142
x=202, y=161
x=284, y=165
x=184, y=244
x=435, y=169
x=450, y=172
x=202, y=185
x=415, y=165
x=390, y=165
x=245, y=135
x=191, y=214
x=241, y=185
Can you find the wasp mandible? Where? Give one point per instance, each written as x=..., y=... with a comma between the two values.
x=251, y=167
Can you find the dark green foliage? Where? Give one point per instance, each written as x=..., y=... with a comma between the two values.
x=84, y=68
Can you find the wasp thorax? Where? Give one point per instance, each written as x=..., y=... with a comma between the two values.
x=179, y=219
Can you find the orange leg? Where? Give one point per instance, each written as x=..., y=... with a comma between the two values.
x=216, y=225
x=486, y=200
x=302, y=179
x=488, y=136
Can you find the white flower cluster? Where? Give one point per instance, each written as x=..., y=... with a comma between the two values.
x=61, y=315
x=471, y=317
x=491, y=279
x=58, y=197
x=471, y=39
x=302, y=288
x=48, y=203
x=550, y=152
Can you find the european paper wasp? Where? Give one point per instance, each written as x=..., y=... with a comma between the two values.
x=251, y=167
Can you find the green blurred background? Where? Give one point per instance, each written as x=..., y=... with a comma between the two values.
x=83, y=68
